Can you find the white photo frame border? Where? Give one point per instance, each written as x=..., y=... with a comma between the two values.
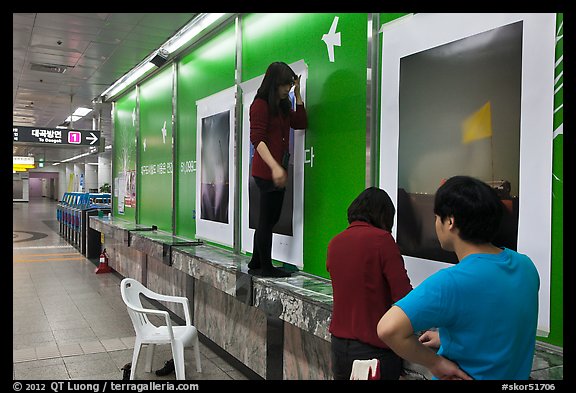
x=218, y=232
x=419, y=32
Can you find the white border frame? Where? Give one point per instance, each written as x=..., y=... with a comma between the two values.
x=287, y=249
x=420, y=32
x=217, y=232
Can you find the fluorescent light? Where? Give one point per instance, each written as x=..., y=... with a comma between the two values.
x=75, y=157
x=181, y=38
x=73, y=118
x=129, y=78
x=80, y=111
x=190, y=31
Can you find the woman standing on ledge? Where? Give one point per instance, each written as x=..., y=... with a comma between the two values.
x=271, y=117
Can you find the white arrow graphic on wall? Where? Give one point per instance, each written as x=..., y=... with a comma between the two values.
x=164, y=132
x=332, y=39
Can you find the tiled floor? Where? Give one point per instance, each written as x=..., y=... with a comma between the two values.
x=70, y=323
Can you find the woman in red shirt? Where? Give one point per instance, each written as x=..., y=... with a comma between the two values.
x=271, y=117
x=368, y=276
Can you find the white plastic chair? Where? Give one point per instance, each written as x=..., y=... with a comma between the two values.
x=179, y=337
x=365, y=369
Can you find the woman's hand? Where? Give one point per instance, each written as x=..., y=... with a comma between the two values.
x=279, y=176
x=297, y=90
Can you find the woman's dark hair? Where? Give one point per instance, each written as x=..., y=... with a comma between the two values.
x=373, y=206
x=475, y=206
x=277, y=74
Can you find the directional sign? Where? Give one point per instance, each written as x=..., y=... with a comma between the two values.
x=55, y=136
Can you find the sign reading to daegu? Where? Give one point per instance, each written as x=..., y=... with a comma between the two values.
x=56, y=136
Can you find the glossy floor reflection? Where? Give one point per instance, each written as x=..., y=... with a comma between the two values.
x=70, y=323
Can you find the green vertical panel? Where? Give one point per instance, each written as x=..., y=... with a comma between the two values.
x=336, y=105
x=124, y=159
x=155, y=147
x=206, y=70
x=556, y=336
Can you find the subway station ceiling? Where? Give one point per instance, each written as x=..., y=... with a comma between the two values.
x=65, y=61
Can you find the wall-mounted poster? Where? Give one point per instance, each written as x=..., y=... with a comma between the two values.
x=130, y=197
x=469, y=94
x=287, y=239
x=214, y=168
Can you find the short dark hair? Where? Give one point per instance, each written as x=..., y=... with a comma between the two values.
x=277, y=74
x=475, y=206
x=373, y=206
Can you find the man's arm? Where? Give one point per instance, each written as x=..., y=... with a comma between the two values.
x=395, y=329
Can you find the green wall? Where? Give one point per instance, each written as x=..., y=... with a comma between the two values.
x=124, y=157
x=556, y=336
x=336, y=106
x=208, y=69
x=155, y=151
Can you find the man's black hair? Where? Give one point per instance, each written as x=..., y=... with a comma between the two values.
x=475, y=206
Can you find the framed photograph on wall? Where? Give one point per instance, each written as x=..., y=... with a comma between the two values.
x=469, y=94
x=215, y=167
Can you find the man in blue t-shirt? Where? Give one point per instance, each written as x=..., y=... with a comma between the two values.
x=485, y=308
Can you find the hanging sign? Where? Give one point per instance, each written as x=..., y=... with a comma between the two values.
x=55, y=136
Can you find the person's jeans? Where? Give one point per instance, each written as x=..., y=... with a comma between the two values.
x=345, y=351
x=271, y=199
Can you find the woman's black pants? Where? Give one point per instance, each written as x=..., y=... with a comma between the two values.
x=271, y=199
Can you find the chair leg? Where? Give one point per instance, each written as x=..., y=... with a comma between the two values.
x=178, y=353
x=135, y=354
x=197, y=354
x=149, y=357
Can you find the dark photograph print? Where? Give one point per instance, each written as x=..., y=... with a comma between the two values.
x=460, y=109
x=215, y=176
x=284, y=224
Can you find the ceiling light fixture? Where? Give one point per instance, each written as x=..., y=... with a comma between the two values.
x=192, y=29
x=160, y=56
x=81, y=111
x=72, y=118
x=75, y=157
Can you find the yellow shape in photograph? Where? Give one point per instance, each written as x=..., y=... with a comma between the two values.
x=478, y=125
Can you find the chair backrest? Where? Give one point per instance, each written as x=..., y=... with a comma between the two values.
x=365, y=369
x=131, y=290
